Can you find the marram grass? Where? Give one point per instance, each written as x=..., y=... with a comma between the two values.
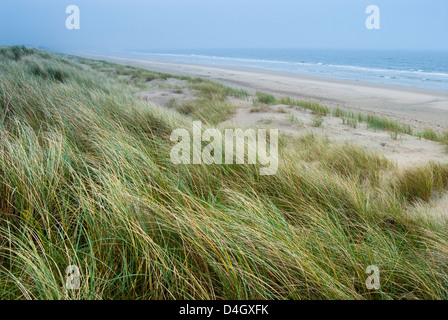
x=86, y=180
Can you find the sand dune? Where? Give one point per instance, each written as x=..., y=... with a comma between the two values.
x=417, y=107
x=420, y=108
x=402, y=149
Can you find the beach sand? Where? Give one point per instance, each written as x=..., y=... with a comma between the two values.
x=418, y=107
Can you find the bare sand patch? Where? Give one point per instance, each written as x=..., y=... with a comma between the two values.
x=167, y=93
x=419, y=108
x=402, y=149
x=172, y=82
x=175, y=92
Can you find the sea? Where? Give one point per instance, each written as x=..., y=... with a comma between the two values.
x=419, y=69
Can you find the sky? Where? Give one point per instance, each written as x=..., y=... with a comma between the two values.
x=191, y=24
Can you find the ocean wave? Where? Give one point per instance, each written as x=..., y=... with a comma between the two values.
x=411, y=76
x=294, y=63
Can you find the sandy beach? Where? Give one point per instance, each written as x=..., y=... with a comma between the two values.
x=418, y=107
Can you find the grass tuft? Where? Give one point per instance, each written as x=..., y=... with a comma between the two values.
x=265, y=98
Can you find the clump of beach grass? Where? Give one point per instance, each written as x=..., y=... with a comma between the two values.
x=350, y=122
x=318, y=121
x=294, y=119
x=265, y=98
x=314, y=106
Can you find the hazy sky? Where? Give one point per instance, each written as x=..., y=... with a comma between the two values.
x=171, y=24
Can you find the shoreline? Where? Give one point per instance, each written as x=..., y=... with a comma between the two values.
x=417, y=107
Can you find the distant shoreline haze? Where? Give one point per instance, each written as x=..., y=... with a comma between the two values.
x=420, y=69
